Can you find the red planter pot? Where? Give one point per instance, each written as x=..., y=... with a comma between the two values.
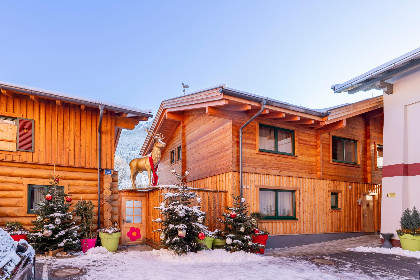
x=260, y=239
x=87, y=244
x=17, y=237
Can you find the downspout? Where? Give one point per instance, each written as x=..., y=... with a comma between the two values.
x=240, y=147
x=101, y=114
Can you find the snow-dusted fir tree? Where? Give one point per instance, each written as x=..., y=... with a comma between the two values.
x=182, y=222
x=54, y=227
x=239, y=227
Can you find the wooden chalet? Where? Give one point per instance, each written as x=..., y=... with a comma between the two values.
x=307, y=171
x=45, y=133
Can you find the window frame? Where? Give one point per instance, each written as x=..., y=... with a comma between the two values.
x=277, y=217
x=276, y=129
x=344, y=150
x=336, y=201
x=29, y=195
x=172, y=156
x=376, y=156
x=179, y=153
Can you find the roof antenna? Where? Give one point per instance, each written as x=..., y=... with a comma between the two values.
x=184, y=86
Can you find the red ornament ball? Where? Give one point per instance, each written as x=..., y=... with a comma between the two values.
x=201, y=236
x=68, y=199
x=232, y=215
x=256, y=231
x=48, y=197
x=57, y=180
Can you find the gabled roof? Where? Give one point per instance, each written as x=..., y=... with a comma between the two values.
x=374, y=78
x=224, y=101
x=131, y=111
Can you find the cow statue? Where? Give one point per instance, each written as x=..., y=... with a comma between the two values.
x=148, y=163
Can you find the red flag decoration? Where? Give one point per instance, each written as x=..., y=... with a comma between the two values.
x=25, y=135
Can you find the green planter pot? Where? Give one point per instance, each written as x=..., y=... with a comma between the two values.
x=110, y=241
x=219, y=243
x=208, y=241
x=410, y=242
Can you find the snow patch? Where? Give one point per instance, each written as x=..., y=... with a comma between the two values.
x=97, y=250
x=391, y=251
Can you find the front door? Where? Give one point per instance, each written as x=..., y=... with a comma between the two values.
x=367, y=213
x=133, y=220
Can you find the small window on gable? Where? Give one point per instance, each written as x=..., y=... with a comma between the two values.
x=276, y=140
x=379, y=156
x=334, y=200
x=172, y=156
x=344, y=150
x=16, y=134
x=278, y=204
x=178, y=152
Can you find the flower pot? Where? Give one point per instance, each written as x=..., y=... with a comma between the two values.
x=260, y=239
x=208, y=241
x=410, y=242
x=110, y=241
x=219, y=243
x=87, y=244
x=17, y=237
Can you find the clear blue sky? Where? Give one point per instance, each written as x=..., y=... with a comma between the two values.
x=138, y=53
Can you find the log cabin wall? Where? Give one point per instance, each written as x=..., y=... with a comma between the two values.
x=313, y=201
x=165, y=165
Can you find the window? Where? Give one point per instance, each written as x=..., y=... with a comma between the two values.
x=334, y=200
x=278, y=204
x=344, y=150
x=16, y=134
x=179, y=155
x=276, y=140
x=36, y=196
x=379, y=156
x=133, y=211
x=172, y=156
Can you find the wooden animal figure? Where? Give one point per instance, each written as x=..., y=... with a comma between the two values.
x=144, y=163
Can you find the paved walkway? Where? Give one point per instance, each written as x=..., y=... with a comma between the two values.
x=329, y=247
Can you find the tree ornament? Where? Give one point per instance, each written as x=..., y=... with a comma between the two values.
x=198, y=199
x=232, y=215
x=57, y=221
x=47, y=233
x=250, y=243
x=243, y=199
x=69, y=199
x=256, y=231
x=48, y=197
x=71, y=217
x=182, y=233
x=200, y=219
x=201, y=236
x=162, y=236
x=242, y=229
x=228, y=241
x=38, y=218
x=56, y=180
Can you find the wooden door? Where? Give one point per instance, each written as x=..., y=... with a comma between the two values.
x=367, y=213
x=133, y=220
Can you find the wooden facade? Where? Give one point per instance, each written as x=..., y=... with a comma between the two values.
x=205, y=125
x=65, y=143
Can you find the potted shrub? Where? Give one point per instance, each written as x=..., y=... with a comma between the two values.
x=219, y=241
x=409, y=233
x=110, y=237
x=84, y=212
x=259, y=236
x=16, y=230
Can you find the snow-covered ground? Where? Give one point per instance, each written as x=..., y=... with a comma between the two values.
x=216, y=264
x=391, y=251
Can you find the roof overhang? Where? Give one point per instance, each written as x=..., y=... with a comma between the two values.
x=378, y=77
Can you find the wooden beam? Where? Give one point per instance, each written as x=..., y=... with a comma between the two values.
x=221, y=113
x=122, y=114
x=6, y=92
x=128, y=123
x=275, y=115
x=199, y=105
x=331, y=127
x=33, y=97
x=240, y=107
x=306, y=122
x=82, y=107
x=291, y=118
x=174, y=116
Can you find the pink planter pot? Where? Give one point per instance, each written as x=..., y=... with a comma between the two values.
x=17, y=237
x=260, y=239
x=87, y=244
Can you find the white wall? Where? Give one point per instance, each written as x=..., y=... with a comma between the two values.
x=401, y=145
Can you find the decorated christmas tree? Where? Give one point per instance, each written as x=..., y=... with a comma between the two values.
x=182, y=221
x=54, y=227
x=239, y=227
